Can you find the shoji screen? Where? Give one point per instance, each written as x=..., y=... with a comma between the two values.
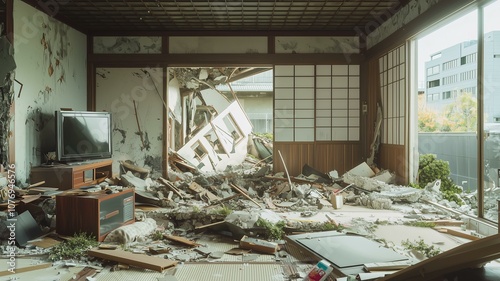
x=316, y=103
x=393, y=95
x=294, y=103
x=337, y=102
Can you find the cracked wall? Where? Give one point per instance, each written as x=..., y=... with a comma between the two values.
x=132, y=95
x=51, y=66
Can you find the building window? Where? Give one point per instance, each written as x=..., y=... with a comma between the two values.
x=450, y=79
x=433, y=70
x=496, y=56
x=449, y=95
x=450, y=64
x=470, y=90
x=435, y=97
x=436, y=56
x=468, y=75
x=433, y=83
x=468, y=59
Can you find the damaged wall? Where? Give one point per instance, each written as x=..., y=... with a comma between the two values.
x=51, y=66
x=132, y=95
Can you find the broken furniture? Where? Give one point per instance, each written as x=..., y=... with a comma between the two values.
x=346, y=253
x=69, y=176
x=95, y=213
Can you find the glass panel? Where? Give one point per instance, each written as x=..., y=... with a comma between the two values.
x=447, y=123
x=491, y=109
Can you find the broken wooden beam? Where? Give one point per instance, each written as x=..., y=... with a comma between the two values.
x=203, y=192
x=170, y=186
x=245, y=195
x=181, y=240
x=133, y=168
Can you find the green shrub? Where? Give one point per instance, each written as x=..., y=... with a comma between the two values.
x=273, y=231
x=73, y=248
x=430, y=169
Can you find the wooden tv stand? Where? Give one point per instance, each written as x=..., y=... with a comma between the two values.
x=73, y=175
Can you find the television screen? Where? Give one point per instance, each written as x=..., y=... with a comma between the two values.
x=83, y=135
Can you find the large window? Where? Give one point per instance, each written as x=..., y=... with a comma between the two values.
x=448, y=120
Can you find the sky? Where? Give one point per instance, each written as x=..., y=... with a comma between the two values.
x=460, y=30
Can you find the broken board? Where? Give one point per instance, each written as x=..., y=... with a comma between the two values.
x=137, y=260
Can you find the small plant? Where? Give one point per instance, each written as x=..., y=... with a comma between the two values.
x=157, y=235
x=273, y=231
x=328, y=226
x=73, y=248
x=420, y=223
x=224, y=210
x=427, y=250
x=196, y=209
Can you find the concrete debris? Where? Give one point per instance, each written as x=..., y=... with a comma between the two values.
x=374, y=201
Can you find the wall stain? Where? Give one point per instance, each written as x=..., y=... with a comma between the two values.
x=154, y=162
x=123, y=133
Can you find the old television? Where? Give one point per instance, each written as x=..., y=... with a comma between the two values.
x=83, y=135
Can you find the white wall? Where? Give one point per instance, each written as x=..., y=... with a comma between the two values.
x=51, y=66
x=117, y=90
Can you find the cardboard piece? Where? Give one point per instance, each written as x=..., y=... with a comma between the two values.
x=337, y=201
x=137, y=260
x=258, y=245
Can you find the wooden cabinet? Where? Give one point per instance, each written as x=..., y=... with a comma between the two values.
x=96, y=214
x=68, y=176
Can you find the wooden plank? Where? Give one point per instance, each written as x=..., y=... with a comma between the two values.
x=171, y=186
x=26, y=269
x=457, y=233
x=137, y=260
x=203, y=192
x=181, y=240
x=84, y=273
x=245, y=195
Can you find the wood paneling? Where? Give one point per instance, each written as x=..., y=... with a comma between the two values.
x=394, y=159
x=295, y=155
x=323, y=156
x=336, y=156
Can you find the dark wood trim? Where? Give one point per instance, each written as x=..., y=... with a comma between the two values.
x=165, y=42
x=91, y=86
x=184, y=60
x=437, y=13
x=9, y=33
x=9, y=20
x=222, y=33
x=271, y=48
x=166, y=125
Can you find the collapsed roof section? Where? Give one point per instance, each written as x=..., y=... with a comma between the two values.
x=210, y=131
x=221, y=142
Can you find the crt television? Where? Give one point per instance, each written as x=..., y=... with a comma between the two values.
x=83, y=135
